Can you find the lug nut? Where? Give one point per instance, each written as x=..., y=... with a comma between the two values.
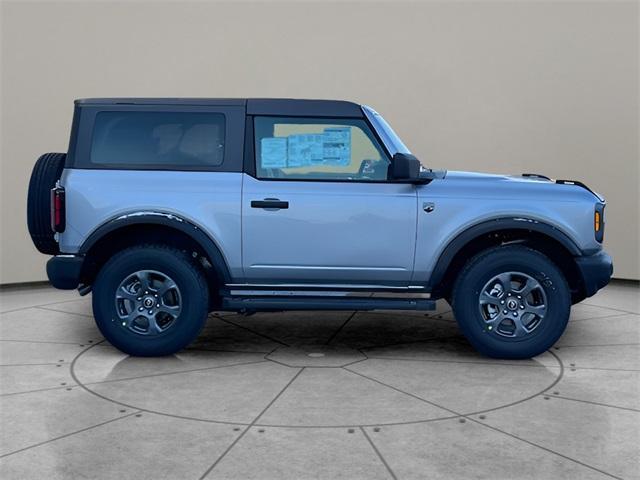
x=521, y=307
x=515, y=314
x=139, y=298
x=140, y=309
x=150, y=312
x=519, y=296
x=501, y=302
x=504, y=311
x=158, y=306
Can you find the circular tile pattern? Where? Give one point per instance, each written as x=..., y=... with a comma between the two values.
x=316, y=356
x=235, y=408
x=360, y=372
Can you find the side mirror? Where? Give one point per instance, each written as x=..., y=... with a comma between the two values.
x=405, y=167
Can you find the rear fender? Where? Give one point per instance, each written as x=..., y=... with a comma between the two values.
x=171, y=220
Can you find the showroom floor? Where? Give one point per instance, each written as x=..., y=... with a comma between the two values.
x=317, y=395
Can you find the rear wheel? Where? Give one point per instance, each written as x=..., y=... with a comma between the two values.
x=511, y=302
x=150, y=300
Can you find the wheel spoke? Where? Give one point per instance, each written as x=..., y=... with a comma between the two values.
x=505, y=281
x=173, y=310
x=495, y=321
x=154, y=328
x=538, y=310
x=143, y=276
x=485, y=298
x=122, y=292
x=167, y=285
x=129, y=319
x=520, y=327
x=529, y=285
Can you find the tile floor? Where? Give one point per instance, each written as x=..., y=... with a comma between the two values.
x=317, y=395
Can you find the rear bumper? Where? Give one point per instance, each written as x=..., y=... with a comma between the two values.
x=64, y=271
x=596, y=271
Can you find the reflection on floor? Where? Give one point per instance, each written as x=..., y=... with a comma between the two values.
x=317, y=395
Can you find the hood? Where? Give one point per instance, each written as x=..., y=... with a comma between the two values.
x=529, y=180
x=525, y=177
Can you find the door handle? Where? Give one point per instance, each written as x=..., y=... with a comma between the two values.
x=270, y=203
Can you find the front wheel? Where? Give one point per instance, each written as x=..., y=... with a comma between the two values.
x=150, y=300
x=511, y=302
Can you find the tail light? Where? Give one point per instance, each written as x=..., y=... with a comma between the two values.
x=57, y=209
x=598, y=222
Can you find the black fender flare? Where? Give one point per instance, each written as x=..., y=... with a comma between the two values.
x=496, y=225
x=166, y=219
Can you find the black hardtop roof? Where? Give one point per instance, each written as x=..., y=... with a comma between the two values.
x=253, y=106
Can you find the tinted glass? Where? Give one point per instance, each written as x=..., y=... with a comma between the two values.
x=158, y=139
x=317, y=149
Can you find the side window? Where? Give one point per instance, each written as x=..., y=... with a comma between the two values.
x=158, y=139
x=318, y=149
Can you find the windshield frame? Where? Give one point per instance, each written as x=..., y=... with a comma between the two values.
x=390, y=139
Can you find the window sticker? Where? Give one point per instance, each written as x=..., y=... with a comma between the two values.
x=305, y=149
x=273, y=152
x=337, y=146
x=331, y=147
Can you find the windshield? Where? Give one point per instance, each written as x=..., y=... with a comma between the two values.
x=387, y=135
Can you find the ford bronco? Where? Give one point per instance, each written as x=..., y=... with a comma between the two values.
x=167, y=209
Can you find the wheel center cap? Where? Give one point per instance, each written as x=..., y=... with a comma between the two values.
x=512, y=305
x=148, y=302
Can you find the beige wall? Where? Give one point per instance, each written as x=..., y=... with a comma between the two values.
x=499, y=86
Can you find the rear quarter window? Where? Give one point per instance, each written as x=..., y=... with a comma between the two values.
x=158, y=139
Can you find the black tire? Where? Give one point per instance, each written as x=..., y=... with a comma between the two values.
x=482, y=269
x=46, y=172
x=176, y=265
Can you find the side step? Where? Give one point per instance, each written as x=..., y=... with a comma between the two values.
x=274, y=303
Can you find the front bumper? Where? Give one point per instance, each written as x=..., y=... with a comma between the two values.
x=596, y=271
x=64, y=271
